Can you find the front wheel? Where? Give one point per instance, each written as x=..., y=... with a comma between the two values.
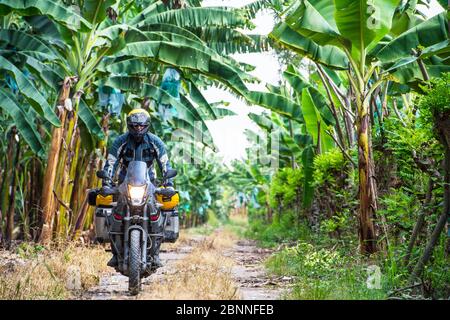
x=134, y=282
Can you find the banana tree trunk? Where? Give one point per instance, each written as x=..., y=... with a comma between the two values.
x=297, y=207
x=12, y=196
x=11, y=211
x=80, y=185
x=79, y=198
x=71, y=191
x=27, y=197
x=48, y=202
x=92, y=180
x=7, y=181
x=68, y=163
x=7, y=174
x=269, y=211
x=367, y=185
x=193, y=220
x=84, y=208
x=1, y=227
x=36, y=183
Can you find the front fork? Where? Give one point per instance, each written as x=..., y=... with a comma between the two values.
x=142, y=226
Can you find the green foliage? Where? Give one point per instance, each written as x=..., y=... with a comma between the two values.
x=27, y=251
x=400, y=208
x=415, y=156
x=435, y=104
x=335, y=195
x=307, y=260
x=283, y=231
x=285, y=187
x=314, y=121
x=237, y=226
x=325, y=55
x=336, y=222
x=437, y=274
x=323, y=273
x=327, y=166
x=409, y=145
x=294, y=184
x=212, y=219
x=437, y=98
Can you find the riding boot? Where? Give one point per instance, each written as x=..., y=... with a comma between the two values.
x=156, y=260
x=114, y=261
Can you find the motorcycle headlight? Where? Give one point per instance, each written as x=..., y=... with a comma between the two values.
x=137, y=194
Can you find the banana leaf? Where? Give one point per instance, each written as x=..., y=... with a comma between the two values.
x=25, y=124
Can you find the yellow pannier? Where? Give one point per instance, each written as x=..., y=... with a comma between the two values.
x=104, y=201
x=168, y=202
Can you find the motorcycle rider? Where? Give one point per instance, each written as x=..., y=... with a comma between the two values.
x=138, y=144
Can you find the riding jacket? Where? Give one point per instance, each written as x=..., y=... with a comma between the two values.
x=126, y=149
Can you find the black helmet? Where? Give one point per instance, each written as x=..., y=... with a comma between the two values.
x=138, y=121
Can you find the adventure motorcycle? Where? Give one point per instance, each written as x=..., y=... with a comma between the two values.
x=133, y=217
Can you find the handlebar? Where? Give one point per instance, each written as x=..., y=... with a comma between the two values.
x=109, y=190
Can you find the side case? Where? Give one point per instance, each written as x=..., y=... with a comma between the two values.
x=101, y=229
x=172, y=228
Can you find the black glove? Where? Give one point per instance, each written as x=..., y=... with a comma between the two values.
x=107, y=182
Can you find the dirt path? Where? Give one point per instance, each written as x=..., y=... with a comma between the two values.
x=250, y=274
x=217, y=266
x=114, y=286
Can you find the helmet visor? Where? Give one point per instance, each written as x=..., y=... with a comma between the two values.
x=139, y=127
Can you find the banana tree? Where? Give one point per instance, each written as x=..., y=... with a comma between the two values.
x=306, y=124
x=351, y=29
x=244, y=177
x=295, y=150
x=199, y=184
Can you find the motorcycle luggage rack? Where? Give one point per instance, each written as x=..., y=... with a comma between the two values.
x=117, y=233
x=155, y=234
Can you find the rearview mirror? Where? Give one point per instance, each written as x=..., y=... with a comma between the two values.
x=170, y=173
x=102, y=174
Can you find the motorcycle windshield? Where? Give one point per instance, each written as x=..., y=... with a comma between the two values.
x=136, y=174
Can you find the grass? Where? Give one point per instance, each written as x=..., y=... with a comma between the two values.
x=285, y=230
x=323, y=268
x=206, y=228
x=35, y=272
x=237, y=224
x=324, y=274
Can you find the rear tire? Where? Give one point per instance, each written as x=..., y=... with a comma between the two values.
x=134, y=282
